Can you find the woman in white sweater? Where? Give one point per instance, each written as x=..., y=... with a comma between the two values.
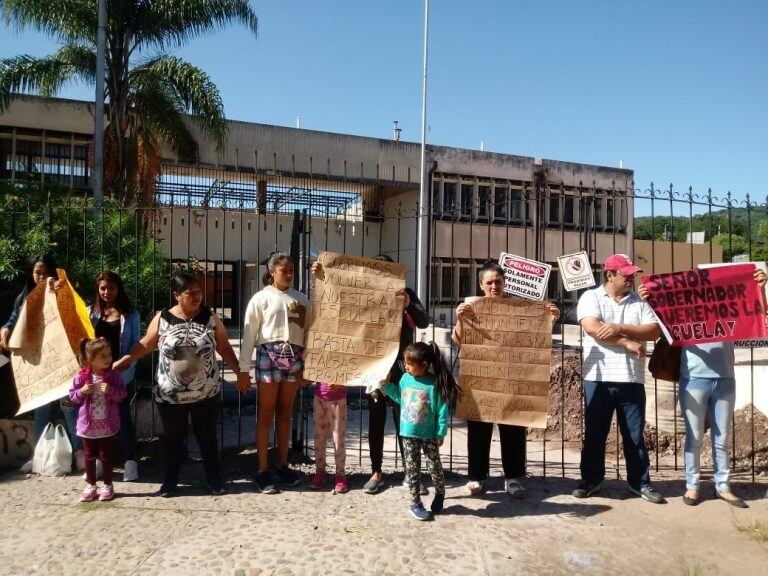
x=274, y=325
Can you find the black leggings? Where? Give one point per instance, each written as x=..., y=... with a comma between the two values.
x=377, y=420
x=204, y=416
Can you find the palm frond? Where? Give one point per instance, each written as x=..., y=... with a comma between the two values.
x=161, y=111
x=69, y=20
x=191, y=87
x=171, y=23
x=47, y=75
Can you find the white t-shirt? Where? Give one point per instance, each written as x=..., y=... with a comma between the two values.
x=610, y=362
x=273, y=315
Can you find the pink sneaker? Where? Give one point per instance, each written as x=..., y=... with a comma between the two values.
x=340, y=485
x=318, y=479
x=89, y=493
x=106, y=493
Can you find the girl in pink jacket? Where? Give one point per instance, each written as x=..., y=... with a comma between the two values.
x=97, y=390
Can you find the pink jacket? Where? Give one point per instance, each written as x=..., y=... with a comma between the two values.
x=117, y=391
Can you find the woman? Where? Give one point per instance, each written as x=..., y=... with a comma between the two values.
x=116, y=320
x=708, y=389
x=479, y=434
x=274, y=322
x=43, y=269
x=187, y=335
x=414, y=316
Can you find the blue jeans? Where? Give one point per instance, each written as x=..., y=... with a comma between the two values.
x=697, y=397
x=48, y=413
x=627, y=399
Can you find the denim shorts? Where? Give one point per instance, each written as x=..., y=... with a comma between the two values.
x=279, y=362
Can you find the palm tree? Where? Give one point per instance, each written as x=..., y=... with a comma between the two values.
x=148, y=93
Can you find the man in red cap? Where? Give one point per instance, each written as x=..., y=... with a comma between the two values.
x=616, y=324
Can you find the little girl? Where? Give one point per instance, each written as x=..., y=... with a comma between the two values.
x=330, y=414
x=97, y=390
x=424, y=400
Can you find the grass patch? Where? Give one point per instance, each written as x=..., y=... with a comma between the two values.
x=757, y=529
x=688, y=569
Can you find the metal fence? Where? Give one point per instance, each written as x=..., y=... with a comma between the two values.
x=224, y=224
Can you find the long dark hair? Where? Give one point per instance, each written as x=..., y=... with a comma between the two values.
x=29, y=280
x=274, y=259
x=122, y=302
x=429, y=353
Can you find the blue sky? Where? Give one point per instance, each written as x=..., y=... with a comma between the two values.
x=675, y=89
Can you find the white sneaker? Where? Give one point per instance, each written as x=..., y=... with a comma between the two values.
x=130, y=471
x=79, y=460
x=513, y=487
x=26, y=468
x=99, y=470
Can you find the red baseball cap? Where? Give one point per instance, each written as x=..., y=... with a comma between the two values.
x=622, y=264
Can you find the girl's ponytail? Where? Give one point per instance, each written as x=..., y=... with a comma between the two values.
x=444, y=381
x=83, y=356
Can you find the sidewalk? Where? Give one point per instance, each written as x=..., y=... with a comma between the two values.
x=44, y=530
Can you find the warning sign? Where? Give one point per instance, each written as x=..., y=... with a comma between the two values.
x=524, y=278
x=576, y=271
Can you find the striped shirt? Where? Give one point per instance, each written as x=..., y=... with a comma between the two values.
x=611, y=362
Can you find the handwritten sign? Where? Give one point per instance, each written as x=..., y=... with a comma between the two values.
x=505, y=362
x=708, y=305
x=524, y=278
x=43, y=360
x=576, y=271
x=354, y=330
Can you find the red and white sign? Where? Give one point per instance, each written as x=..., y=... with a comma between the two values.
x=524, y=278
x=720, y=304
x=576, y=271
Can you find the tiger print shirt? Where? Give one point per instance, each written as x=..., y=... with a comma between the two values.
x=187, y=370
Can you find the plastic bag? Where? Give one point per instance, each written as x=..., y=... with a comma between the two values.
x=53, y=452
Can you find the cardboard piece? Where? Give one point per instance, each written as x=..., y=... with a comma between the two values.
x=525, y=278
x=576, y=271
x=505, y=362
x=44, y=344
x=703, y=305
x=356, y=314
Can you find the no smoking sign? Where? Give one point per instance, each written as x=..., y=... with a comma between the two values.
x=576, y=271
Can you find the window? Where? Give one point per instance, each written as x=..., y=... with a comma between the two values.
x=449, y=197
x=465, y=282
x=554, y=209
x=609, y=222
x=467, y=199
x=598, y=213
x=568, y=216
x=483, y=201
x=516, y=205
x=446, y=284
x=500, y=203
x=436, y=196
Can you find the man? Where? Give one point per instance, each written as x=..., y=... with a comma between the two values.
x=616, y=324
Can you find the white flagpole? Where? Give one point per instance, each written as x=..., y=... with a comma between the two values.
x=421, y=255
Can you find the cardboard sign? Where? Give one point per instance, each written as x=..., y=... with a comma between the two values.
x=576, y=271
x=505, y=358
x=524, y=278
x=354, y=330
x=708, y=304
x=44, y=361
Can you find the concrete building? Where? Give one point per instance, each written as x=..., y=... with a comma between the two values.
x=355, y=194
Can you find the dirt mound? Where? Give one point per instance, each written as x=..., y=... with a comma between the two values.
x=565, y=398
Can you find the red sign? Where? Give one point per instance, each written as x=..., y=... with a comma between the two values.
x=708, y=304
